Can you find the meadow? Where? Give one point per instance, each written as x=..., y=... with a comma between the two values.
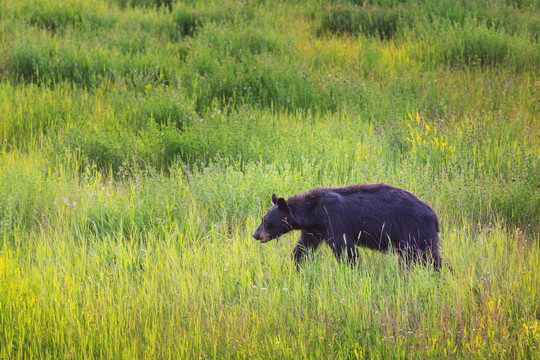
x=141, y=141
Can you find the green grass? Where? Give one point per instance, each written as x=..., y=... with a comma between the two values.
x=140, y=147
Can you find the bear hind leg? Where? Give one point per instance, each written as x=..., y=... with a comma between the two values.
x=409, y=254
x=432, y=257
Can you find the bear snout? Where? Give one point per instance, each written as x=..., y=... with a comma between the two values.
x=261, y=236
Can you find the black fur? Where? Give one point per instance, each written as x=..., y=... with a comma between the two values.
x=368, y=215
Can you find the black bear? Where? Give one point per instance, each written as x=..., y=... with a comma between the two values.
x=369, y=215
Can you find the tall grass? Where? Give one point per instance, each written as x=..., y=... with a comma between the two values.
x=133, y=269
x=140, y=145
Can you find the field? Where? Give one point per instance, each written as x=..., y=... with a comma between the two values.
x=141, y=141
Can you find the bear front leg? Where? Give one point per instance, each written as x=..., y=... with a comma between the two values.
x=307, y=242
x=341, y=244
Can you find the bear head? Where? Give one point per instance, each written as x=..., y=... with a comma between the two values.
x=275, y=222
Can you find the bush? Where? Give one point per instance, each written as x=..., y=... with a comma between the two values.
x=518, y=204
x=149, y=136
x=383, y=22
x=122, y=150
x=145, y=3
x=161, y=144
x=251, y=67
x=26, y=194
x=100, y=147
x=53, y=17
x=478, y=45
x=242, y=40
x=166, y=107
x=57, y=16
x=263, y=81
x=386, y=17
x=186, y=20
x=497, y=16
x=42, y=59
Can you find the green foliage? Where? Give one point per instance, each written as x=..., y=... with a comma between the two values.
x=101, y=148
x=162, y=143
x=54, y=16
x=166, y=106
x=145, y=3
x=372, y=21
x=186, y=20
x=25, y=201
x=479, y=45
x=387, y=19
x=41, y=58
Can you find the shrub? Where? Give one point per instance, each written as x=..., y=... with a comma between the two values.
x=43, y=59
x=53, y=17
x=386, y=17
x=242, y=40
x=478, y=45
x=145, y=3
x=229, y=74
x=27, y=198
x=122, y=150
x=149, y=136
x=163, y=143
x=186, y=20
x=500, y=16
x=263, y=81
x=518, y=203
x=166, y=107
x=383, y=22
x=108, y=150
x=26, y=59
x=57, y=16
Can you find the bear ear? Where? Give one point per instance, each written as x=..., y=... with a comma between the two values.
x=274, y=199
x=282, y=204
